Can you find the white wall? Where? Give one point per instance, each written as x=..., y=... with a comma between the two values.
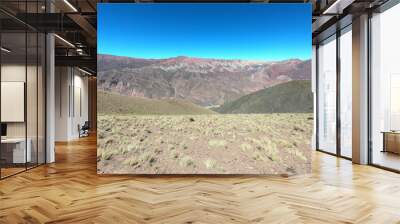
x=17, y=73
x=80, y=118
x=70, y=83
x=14, y=72
x=62, y=81
x=33, y=126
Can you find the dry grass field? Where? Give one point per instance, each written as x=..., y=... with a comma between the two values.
x=204, y=144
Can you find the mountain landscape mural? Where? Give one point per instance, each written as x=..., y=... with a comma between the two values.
x=210, y=114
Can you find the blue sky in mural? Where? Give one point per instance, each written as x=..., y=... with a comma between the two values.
x=225, y=31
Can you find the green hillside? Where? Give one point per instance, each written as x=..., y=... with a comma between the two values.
x=289, y=97
x=111, y=103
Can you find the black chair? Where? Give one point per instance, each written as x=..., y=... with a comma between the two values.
x=84, y=130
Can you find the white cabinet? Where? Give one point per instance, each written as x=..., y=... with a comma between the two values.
x=19, y=155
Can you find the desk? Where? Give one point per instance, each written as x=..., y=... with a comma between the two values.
x=16, y=153
x=391, y=141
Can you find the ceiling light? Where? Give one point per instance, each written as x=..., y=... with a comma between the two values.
x=64, y=40
x=86, y=72
x=5, y=50
x=337, y=7
x=79, y=51
x=333, y=6
x=70, y=5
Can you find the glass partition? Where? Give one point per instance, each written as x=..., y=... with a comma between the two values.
x=14, y=153
x=346, y=92
x=31, y=99
x=41, y=97
x=22, y=78
x=327, y=95
x=385, y=89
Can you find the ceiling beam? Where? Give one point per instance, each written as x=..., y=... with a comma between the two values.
x=88, y=29
x=77, y=61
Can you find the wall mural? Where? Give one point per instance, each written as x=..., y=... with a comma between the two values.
x=204, y=89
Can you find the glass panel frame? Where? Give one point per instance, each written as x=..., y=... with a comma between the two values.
x=25, y=55
x=327, y=78
x=13, y=74
x=345, y=55
x=384, y=151
x=339, y=63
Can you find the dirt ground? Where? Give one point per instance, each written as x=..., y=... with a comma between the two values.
x=204, y=144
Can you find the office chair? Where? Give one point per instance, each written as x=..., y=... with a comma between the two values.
x=84, y=130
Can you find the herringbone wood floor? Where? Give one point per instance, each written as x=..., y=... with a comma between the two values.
x=70, y=191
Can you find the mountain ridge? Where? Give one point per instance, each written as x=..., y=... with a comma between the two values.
x=199, y=58
x=111, y=103
x=290, y=97
x=205, y=82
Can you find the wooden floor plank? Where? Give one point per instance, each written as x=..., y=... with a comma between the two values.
x=70, y=191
